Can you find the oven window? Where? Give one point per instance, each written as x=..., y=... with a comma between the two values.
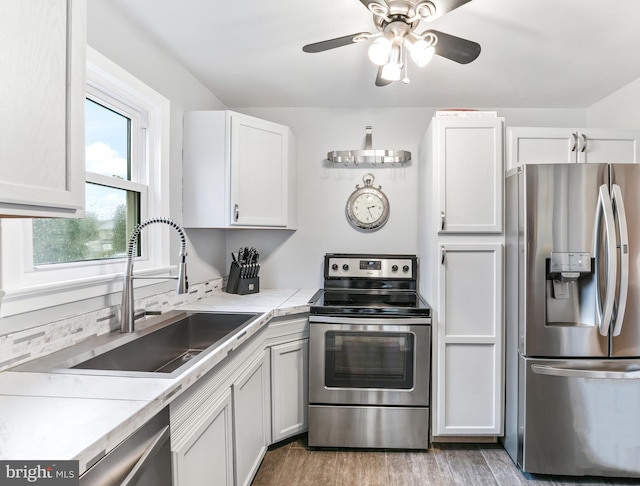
x=369, y=359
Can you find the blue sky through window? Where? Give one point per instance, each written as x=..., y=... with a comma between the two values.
x=106, y=152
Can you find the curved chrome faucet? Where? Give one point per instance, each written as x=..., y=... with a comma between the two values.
x=127, y=308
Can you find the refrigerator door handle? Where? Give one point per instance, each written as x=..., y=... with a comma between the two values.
x=618, y=204
x=582, y=373
x=605, y=210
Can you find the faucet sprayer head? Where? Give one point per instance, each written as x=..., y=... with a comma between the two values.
x=182, y=286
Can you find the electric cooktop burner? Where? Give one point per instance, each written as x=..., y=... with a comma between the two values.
x=357, y=302
x=370, y=285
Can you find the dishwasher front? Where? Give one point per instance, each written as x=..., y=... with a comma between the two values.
x=143, y=459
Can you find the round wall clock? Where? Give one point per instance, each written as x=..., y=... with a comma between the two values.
x=368, y=207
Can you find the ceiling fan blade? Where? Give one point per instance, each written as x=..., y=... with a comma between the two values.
x=333, y=43
x=380, y=81
x=455, y=48
x=444, y=6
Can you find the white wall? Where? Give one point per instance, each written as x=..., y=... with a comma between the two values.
x=620, y=109
x=121, y=41
x=116, y=38
x=294, y=259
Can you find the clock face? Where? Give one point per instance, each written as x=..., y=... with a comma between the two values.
x=368, y=208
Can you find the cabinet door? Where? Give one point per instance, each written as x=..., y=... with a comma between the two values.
x=251, y=419
x=42, y=62
x=204, y=456
x=530, y=145
x=469, y=342
x=470, y=173
x=289, y=385
x=259, y=172
x=608, y=146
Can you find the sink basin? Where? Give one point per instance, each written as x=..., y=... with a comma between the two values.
x=167, y=348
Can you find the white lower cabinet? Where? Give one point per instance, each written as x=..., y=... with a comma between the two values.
x=221, y=425
x=468, y=336
x=205, y=456
x=251, y=419
x=289, y=388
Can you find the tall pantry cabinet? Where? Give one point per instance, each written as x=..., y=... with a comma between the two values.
x=460, y=245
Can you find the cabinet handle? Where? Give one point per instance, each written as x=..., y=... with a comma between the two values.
x=584, y=145
x=443, y=220
x=575, y=141
x=443, y=253
x=236, y=212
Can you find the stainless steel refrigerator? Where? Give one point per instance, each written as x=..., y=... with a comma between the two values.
x=573, y=319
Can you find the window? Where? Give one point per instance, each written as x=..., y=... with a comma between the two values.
x=53, y=261
x=112, y=194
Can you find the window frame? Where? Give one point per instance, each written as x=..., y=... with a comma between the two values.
x=26, y=287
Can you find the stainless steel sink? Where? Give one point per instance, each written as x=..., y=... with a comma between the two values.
x=165, y=348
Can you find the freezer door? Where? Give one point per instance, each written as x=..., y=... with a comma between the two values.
x=580, y=417
x=559, y=206
x=627, y=179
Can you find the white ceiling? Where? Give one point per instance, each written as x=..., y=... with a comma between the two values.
x=535, y=53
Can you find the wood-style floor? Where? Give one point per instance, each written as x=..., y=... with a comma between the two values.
x=294, y=463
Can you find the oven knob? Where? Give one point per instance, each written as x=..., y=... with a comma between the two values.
x=394, y=268
x=405, y=268
x=345, y=267
x=334, y=267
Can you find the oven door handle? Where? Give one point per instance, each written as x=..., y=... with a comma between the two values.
x=387, y=321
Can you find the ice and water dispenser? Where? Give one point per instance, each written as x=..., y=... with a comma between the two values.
x=570, y=281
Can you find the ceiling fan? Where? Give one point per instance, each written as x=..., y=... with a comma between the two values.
x=396, y=22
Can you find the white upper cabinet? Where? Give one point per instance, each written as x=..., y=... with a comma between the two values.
x=527, y=145
x=42, y=90
x=468, y=156
x=238, y=172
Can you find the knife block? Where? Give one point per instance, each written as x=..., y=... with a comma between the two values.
x=240, y=284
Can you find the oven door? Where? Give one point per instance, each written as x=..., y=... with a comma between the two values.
x=369, y=361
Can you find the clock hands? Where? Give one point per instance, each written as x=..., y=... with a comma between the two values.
x=367, y=207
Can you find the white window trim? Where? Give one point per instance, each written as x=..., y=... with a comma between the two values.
x=25, y=287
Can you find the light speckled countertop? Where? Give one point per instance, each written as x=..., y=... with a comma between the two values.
x=54, y=416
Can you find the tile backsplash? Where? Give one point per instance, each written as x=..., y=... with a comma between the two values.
x=22, y=346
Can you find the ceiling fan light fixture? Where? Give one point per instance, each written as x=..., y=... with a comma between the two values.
x=391, y=72
x=380, y=49
x=421, y=49
x=396, y=39
x=422, y=53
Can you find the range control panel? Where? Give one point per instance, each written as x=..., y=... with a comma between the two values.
x=363, y=266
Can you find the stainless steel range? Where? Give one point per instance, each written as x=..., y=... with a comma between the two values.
x=369, y=354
